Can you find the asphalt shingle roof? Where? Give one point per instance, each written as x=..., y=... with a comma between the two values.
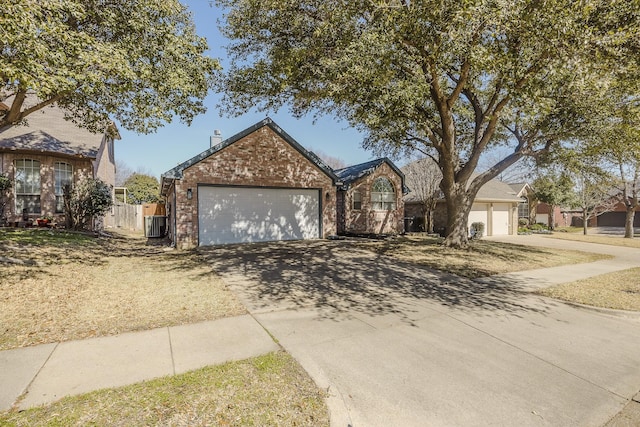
x=48, y=131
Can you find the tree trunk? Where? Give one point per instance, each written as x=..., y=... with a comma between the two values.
x=68, y=213
x=458, y=208
x=431, y=207
x=429, y=221
x=628, y=223
x=585, y=218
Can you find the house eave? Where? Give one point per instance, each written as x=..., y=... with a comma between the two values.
x=52, y=153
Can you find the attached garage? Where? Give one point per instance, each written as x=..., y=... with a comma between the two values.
x=259, y=185
x=496, y=217
x=233, y=214
x=617, y=219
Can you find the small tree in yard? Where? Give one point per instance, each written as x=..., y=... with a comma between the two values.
x=423, y=179
x=142, y=188
x=554, y=189
x=5, y=184
x=88, y=199
x=594, y=195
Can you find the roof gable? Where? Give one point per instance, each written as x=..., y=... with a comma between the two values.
x=521, y=189
x=353, y=173
x=177, y=172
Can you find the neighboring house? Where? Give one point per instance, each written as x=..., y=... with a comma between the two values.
x=262, y=185
x=495, y=205
x=45, y=154
x=616, y=217
x=528, y=203
x=536, y=212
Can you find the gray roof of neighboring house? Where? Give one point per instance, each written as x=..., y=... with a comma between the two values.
x=493, y=191
x=353, y=173
x=176, y=172
x=496, y=190
x=519, y=188
x=48, y=131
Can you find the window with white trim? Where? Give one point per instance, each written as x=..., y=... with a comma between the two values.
x=383, y=195
x=523, y=208
x=357, y=200
x=27, y=181
x=63, y=175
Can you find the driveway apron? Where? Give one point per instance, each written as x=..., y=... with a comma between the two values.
x=398, y=344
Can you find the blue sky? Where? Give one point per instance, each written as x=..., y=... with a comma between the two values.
x=176, y=142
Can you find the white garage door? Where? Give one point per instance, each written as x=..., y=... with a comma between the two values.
x=500, y=219
x=240, y=214
x=478, y=214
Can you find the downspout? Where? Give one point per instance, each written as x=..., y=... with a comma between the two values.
x=175, y=216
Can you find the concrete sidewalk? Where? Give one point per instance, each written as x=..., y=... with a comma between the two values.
x=48, y=372
x=530, y=280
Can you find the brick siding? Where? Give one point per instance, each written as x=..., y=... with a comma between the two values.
x=260, y=159
x=367, y=220
x=81, y=168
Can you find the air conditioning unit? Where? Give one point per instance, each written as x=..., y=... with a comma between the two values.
x=155, y=225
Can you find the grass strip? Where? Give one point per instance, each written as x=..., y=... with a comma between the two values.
x=619, y=290
x=267, y=390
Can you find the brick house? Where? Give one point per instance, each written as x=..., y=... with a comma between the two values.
x=43, y=155
x=262, y=185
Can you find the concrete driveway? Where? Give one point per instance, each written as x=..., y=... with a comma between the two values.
x=399, y=345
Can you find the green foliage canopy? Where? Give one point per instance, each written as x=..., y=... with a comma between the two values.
x=142, y=188
x=139, y=62
x=449, y=79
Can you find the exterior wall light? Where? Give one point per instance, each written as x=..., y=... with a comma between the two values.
x=189, y=194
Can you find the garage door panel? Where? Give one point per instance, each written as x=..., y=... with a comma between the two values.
x=238, y=214
x=500, y=219
x=478, y=213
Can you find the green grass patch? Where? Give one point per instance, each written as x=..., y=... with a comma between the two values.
x=44, y=236
x=482, y=258
x=619, y=290
x=267, y=390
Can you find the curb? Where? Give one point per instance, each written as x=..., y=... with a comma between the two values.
x=627, y=314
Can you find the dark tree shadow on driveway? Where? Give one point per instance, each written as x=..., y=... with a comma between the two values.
x=339, y=277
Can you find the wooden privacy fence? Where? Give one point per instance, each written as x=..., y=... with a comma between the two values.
x=131, y=217
x=124, y=216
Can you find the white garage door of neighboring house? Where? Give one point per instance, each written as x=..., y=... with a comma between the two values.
x=478, y=214
x=248, y=214
x=500, y=219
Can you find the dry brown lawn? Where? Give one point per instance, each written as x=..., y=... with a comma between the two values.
x=57, y=286
x=618, y=290
x=599, y=238
x=482, y=258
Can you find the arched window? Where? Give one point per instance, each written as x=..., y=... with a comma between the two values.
x=63, y=174
x=383, y=195
x=27, y=181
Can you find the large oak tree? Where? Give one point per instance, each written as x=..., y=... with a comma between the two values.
x=139, y=62
x=449, y=79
